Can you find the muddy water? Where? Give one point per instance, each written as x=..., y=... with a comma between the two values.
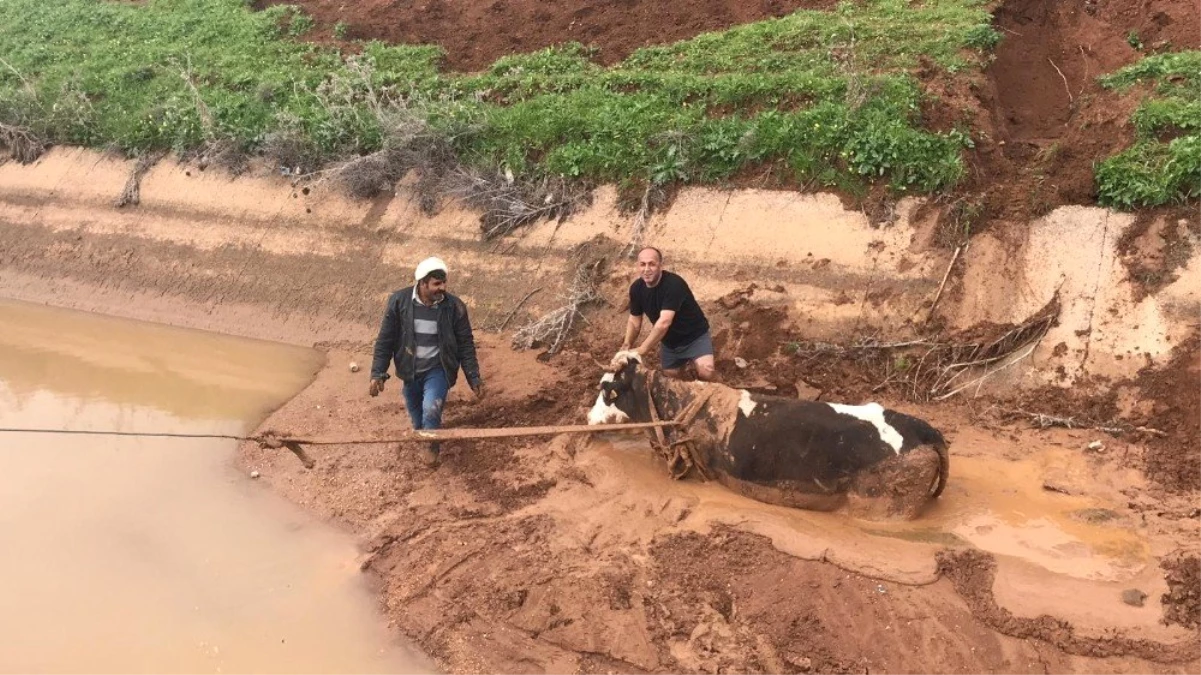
x=141, y=555
x=1067, y=555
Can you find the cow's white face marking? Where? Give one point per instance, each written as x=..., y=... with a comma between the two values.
x=745, y=404
x=874, y=413
x=604, y=413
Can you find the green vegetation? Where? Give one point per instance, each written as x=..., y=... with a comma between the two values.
x=826, y=96
x=1164, y=164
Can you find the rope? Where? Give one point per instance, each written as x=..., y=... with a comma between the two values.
x=276, y=440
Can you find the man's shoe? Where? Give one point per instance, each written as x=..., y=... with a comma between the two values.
x=429, y=455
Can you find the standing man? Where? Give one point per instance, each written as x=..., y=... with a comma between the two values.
x=427, y=334
x=676, y=318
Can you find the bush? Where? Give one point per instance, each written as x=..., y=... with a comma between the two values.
x=823, y=92
x=1156, y=171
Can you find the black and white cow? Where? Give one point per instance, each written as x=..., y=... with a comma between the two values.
x=877, y=463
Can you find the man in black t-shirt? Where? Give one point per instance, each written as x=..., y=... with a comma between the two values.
x=678, y=325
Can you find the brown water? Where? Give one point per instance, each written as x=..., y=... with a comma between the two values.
x=153, y=555
x=1067, y=555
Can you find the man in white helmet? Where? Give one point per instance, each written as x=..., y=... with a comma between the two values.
x=427, y=334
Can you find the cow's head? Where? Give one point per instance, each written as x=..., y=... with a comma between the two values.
x=622, y=395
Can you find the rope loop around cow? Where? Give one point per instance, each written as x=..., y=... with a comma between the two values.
x=681, y=454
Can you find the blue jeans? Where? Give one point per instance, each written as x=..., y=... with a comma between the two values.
x=425, y=395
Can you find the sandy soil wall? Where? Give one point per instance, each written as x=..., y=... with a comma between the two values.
x=324, y=265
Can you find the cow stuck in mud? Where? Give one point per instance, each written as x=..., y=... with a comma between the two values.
x=877, y=463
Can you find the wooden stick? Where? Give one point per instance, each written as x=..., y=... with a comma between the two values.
x=946, y=275
x=514, y=312
x=472, y=434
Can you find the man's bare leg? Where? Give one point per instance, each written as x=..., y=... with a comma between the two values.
x=706, y=368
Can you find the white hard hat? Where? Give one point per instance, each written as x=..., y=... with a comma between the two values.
x=429, y=265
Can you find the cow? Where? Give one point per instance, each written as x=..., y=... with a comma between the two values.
x=875, y=463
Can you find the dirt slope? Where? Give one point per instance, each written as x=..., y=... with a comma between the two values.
x=1044, y=120
x=474, y=33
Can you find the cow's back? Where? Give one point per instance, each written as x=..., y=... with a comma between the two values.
x=805, y=445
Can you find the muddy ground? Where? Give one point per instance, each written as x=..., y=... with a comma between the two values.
x=565, y=556
x=556, y=555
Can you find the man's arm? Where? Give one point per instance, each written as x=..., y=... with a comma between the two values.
x=385, y=347
x=633, y=328
x=657, y=331
x=467, y=357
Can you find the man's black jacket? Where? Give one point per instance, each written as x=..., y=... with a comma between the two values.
x=396, y=341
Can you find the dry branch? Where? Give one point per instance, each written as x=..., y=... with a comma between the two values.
x=508, y=204
x=934, y=368
x=1071, y=99
x=1045, y=421
x=638, y=231
x=23, y=144
x=943, y=285
x=132, y=194
x=517, y=307
x=553, y=329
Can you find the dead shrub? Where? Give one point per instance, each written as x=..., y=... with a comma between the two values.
x=509, y=203
x=936, y=369
x=553, y=329
x=22, y=143
x=132, y=194
x=409, y=144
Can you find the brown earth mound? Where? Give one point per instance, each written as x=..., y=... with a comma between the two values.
x=1174, y=459
x=1182, y=602
x=1044, y=117
x=474, y=34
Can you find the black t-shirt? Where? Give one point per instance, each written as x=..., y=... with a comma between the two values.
x=671, y=293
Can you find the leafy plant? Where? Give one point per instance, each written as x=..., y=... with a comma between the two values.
x=825, y=94
x=1164, y=164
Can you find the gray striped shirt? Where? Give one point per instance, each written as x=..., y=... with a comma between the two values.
x=425, y=329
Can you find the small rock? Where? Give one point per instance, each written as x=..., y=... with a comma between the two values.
x=1053, y=485
x=1133, y=597
x=801, y=663
x=354, y=367
x=740, y=362
x=254, y=474
x=806, y=391
x=1095, y=516
x=1095, y=446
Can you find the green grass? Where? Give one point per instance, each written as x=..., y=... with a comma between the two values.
x=1164, y=164
x=827, y=95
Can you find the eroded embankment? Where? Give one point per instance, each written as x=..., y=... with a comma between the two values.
x=558, y=556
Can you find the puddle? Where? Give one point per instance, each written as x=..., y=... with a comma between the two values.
x=1001, y=506
x=991, y=504
x=155, y=555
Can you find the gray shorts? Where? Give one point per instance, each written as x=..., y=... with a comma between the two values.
x=672, y=359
